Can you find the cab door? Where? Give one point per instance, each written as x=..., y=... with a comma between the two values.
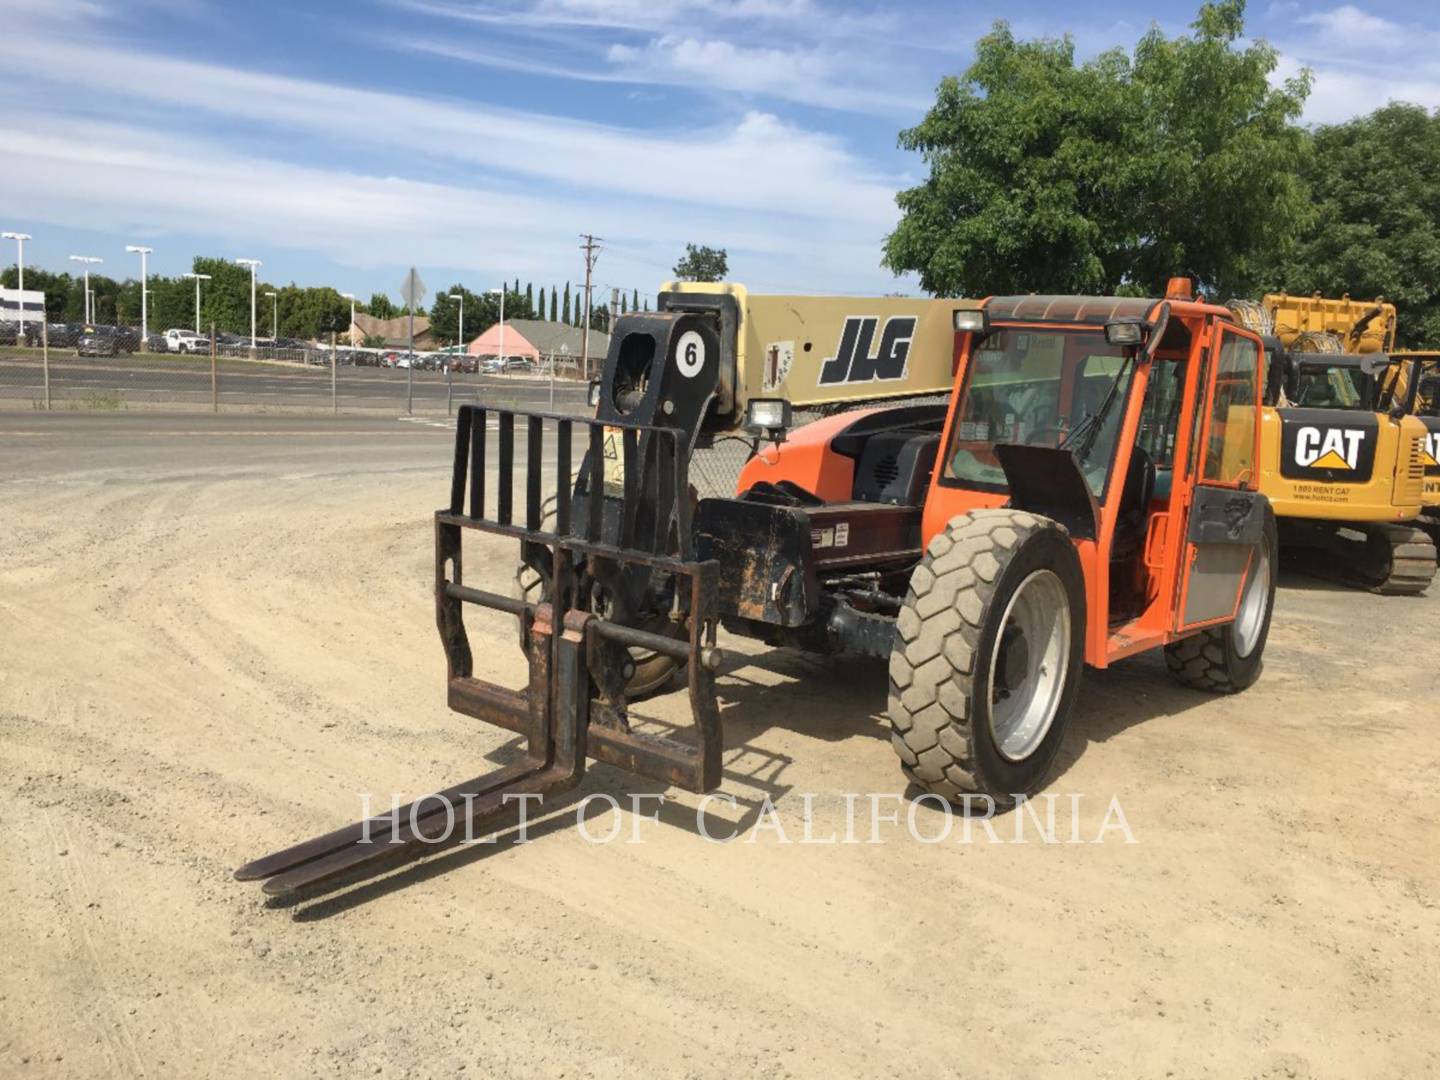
x=1225, y=520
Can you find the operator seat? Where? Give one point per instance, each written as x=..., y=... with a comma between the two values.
x=1134, y=507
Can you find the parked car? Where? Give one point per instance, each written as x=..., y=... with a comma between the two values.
x=98, y=341
x=157, y=343
x=518, y=364
x=186, y=341
x=127, y=338
x=9, y=332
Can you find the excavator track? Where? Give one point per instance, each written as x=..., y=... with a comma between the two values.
x=1389, y=559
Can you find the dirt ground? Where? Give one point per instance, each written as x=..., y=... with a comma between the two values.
x=210, y=646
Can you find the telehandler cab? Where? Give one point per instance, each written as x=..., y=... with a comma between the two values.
x=1088, y=492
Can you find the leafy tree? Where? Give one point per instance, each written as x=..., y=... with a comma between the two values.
x=702, y=264
x=566, y=316
x=554, y=300
x=382, y=307
x=1114, y=174
x=635, y=300
x=1375, y=182
x=530, y=299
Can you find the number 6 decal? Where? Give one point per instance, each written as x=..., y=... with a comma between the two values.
x=690, y=354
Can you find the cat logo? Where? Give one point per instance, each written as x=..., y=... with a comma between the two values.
x=1329, y=448
x=852, y=362
x=1432, y=450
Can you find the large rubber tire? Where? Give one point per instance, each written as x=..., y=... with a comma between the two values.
x=1212, y=659
x=942, y=694
x=653, y=671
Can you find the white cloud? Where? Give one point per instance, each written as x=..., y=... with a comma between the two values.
x=112, y=177
x=1349, y=27
x=758, y=163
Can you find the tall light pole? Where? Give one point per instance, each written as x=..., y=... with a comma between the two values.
x=253, y=264
x=501, y=294
x=274, y=317
x=88, y=260
x=198, y=278
x=19, y=238
x=351, y=335
x=144, y=253
x=459, y=326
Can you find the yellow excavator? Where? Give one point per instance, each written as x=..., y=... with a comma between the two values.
x=1412, y=388
x=1344, y=476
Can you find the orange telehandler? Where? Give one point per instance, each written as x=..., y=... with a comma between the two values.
x=1088, y=491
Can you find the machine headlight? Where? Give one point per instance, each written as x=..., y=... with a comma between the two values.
x=1123, y=332
x=767, y=415
x=971, y=321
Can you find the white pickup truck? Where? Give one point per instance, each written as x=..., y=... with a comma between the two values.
x=186, y=341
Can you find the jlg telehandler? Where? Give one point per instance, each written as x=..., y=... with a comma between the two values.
x=1089, y=492
x=1343, y=475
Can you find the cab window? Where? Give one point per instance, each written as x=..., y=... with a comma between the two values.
x=1230, y=447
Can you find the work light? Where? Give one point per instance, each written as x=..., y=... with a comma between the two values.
x=766, y=416
x=971, y=321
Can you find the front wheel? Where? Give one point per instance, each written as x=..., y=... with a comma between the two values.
x=1226, y=659
x=988, y=651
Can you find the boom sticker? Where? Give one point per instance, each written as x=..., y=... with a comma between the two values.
x=779, y=355
x=852, y=362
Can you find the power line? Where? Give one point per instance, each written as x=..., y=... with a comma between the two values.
x=591, y=248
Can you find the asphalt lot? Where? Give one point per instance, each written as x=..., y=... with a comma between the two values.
x=146, y=382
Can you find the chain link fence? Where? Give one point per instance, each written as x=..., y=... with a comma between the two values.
x=73, y=366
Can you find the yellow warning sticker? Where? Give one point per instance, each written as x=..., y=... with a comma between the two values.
x=612, y=450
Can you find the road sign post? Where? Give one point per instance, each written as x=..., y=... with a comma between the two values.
x=412, y=291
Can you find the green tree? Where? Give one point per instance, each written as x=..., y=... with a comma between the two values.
x=635, y=300
x=382, y=307
x=702, y=264
x=530, y=298
x=1051, y=176
x=554, y=300
x=1375, y=182
x=565, y=316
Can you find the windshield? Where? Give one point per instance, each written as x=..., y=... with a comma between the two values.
x=1338, y=386
x=1037, y=386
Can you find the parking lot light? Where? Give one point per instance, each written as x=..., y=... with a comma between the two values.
x=460, y=325
x=88, y=261
x=253, y=264
x=144, y=253
x=19, y=238
x=198, y=278
x=274, y=317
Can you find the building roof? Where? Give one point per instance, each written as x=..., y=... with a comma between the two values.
x=543, y=337
x=396, y=332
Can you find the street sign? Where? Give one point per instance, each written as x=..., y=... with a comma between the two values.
x=412, y=289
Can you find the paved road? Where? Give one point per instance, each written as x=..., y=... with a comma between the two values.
x=110, y=383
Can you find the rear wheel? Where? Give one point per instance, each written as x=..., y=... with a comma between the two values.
x=987, y=657
x=1226, y=659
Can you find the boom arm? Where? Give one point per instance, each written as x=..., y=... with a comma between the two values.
x=720, y=343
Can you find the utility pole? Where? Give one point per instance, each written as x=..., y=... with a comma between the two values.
x=592, y=252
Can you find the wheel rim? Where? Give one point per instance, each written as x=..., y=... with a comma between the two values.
x=1252, y=607
x=1028, y=665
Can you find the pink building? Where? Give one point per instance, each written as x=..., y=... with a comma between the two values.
x=535, y=339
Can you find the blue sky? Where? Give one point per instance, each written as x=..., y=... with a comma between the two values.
x=476, y=139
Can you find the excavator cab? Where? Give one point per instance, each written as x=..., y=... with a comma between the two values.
x=1413, y=389
x=994, y=495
